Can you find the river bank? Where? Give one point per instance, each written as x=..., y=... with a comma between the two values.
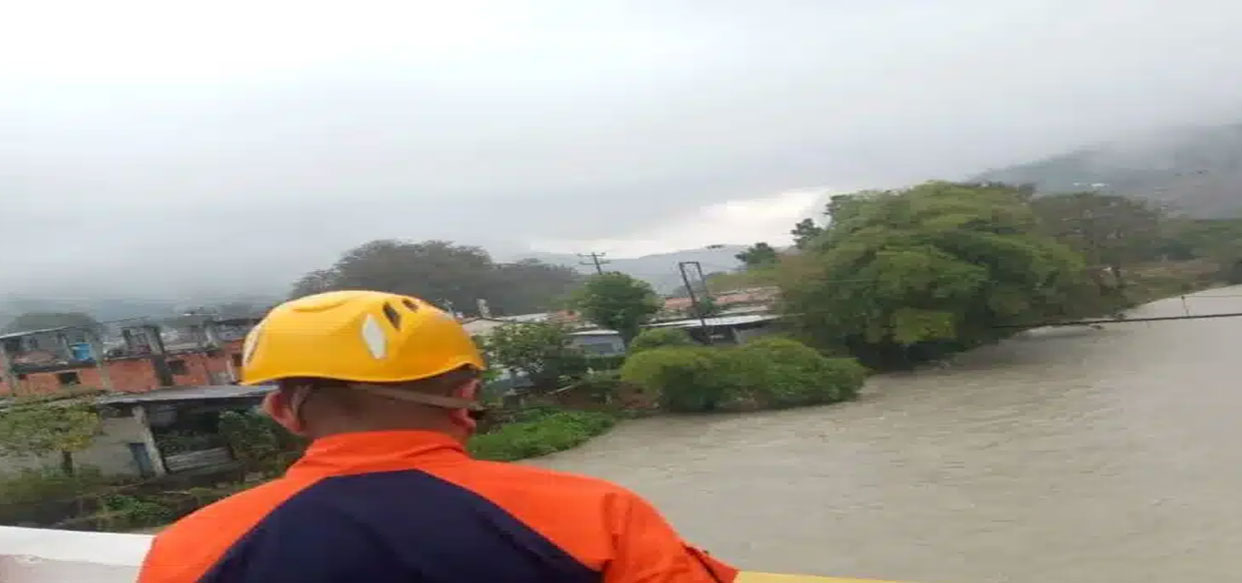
x=1074, y=455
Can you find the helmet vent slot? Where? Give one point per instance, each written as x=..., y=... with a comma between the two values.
x=394, y=317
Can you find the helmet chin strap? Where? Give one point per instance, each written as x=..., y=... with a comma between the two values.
x=441, y=401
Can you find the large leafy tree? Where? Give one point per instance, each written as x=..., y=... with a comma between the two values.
x=1111, y=232
x=618, y=302
x=758, y=255
x=530, y=285
x=937, y=263
x=43, y=428
x=540, y=350
x=804, y=232
x=444, y=273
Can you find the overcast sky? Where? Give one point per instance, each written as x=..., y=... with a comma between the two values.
x=232, y=145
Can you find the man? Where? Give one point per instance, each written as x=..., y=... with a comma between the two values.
x=385, y=386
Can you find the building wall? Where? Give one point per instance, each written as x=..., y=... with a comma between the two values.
x=137, y=375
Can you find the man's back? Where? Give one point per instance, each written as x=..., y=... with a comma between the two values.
x=410, y=506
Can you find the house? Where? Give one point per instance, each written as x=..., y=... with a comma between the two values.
x=134, y=356
x=154, y=433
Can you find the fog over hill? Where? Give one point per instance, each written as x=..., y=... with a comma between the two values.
x=1196, y=170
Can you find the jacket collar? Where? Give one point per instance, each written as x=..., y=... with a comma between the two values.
x=377, y=451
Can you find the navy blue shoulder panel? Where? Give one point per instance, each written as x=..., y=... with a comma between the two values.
x=394, y=527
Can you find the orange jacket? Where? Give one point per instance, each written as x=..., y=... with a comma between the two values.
x=411, y=506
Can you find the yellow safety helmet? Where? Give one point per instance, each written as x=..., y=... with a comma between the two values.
x=361, y=336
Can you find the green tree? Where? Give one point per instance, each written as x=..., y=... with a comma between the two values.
x=530, y=286
x=938, y=263
x=618, y=302
x=443, y=273
x=540, y=350
x=259, y=443
x=658, y=338
x=758, y=255
x=804, y=232
x=1112, y=232
x=44, y=428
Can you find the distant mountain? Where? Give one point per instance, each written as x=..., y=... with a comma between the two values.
x=107, y=309
x=659, y=270
x=1197, y=171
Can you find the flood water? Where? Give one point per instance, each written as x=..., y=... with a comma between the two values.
x=1067, y=455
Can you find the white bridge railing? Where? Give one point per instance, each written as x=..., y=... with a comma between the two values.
x=33, y=555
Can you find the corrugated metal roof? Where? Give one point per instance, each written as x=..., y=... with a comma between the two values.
x=717, y=321
x=596, y=332
x=39, y=331
x=187, y=394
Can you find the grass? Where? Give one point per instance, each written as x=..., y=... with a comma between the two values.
x=540, y=434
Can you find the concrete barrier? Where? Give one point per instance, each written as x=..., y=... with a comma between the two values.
x=34, y=555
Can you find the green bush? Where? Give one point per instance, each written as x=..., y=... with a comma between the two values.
x=260, y=443
x=605, y=363
x=779, y=372
x=126, y=512
x=539, y=433
x=36, y=485
x=686, y=378
x=659, y=338
x=766, y=373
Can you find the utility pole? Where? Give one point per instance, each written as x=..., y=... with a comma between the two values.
x=694, y=299
x=596, y=260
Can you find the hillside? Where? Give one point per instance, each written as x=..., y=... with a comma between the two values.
x=659, y=270
x=1197, y=171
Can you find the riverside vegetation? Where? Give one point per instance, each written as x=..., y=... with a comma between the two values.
x=895, y=278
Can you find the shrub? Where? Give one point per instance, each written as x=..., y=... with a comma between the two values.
x=125, y=512
x=686, y=378
x=50, y=484
x=659, y=338
x=260, y=443
x=605, y=363
x=540, y=432
x=540, y=350
x=769, y=372
x=780, y=372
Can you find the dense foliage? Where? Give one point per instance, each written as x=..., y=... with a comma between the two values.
x=618, y=302
x=659, y=337
x=45, y=428
x=766, y=373
x=758, y=255
x=1110, y=232
x=446, y=274
x=937, y=263
x=804, y=232
x=540, y=350
x=539, y=434
x=259, y=443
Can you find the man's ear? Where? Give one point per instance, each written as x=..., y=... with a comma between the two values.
x=468, y=390
x=278, y=405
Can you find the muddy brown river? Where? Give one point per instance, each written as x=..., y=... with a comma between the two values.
x=1061, y=456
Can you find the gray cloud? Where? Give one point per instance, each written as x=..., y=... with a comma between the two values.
x=234, y=151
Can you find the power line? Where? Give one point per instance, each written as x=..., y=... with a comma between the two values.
x=596, y=260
